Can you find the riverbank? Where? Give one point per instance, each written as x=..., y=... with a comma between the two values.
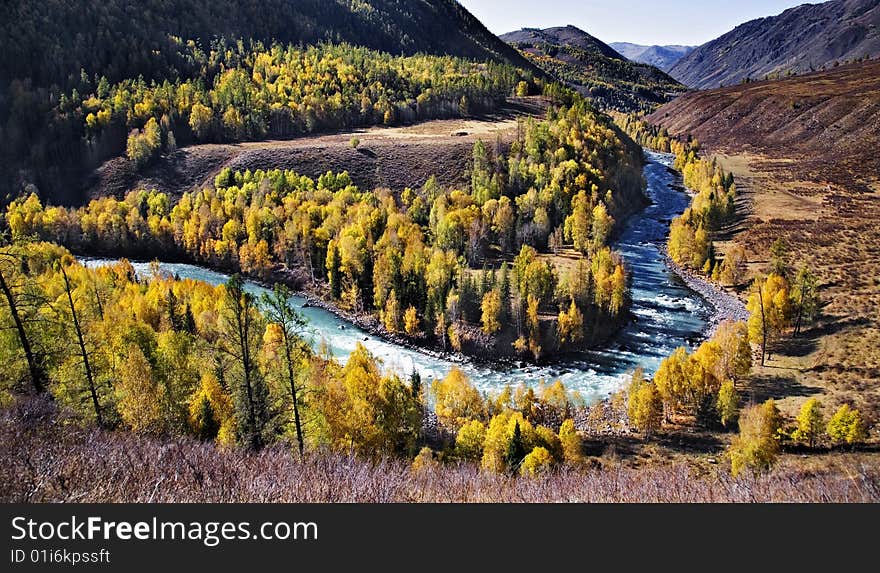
x=726, y=306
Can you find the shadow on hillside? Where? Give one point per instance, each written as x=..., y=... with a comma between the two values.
x=777, y=386
x=632, y=446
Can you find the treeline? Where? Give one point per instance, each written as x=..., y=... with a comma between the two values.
x=160, y=356
x=430, y=263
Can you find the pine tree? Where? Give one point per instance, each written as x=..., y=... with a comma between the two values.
x=516, y=450
x=280, y=312
x=242, y=332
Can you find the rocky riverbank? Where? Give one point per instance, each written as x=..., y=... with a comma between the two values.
x=726, y=305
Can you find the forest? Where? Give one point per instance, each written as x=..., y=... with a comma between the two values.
x=235, y=91
x=613, y=84
x=445, y=266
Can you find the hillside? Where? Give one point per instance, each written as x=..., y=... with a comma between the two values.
x=78, y=77
x=662, y=57
x=569, y=36
x=392, y=157
x=594, y=68
x=801, y=39
x=126, y=38
x=804, y=152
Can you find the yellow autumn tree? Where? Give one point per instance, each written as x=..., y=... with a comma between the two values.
x=537, y=462
x=139, y=397
x=491, y=311
x=507, y=432
x=769, y=306
x=757, y=445
x=211, y=413
x=469, y=441
x=572, y=444
x=456, y=400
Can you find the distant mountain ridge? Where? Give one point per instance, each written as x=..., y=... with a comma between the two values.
x=662, y=57
x=594, y=68
x=562, y=36
x=801, y=39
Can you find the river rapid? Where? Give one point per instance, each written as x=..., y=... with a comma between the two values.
x=667, y=313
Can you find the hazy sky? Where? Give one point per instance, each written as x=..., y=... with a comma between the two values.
x=649, y=22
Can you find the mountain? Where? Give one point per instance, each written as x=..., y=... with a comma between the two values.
x=801, y=39
x=49, y=42
x=595, y=68
x=663, y=57
x=561, y=36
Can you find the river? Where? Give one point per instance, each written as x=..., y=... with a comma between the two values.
x=668, y=314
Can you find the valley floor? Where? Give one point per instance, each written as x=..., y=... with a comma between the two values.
x=833, y=229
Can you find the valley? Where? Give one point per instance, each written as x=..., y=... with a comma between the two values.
x=372, y=251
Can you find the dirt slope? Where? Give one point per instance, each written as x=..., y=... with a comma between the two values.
x=386, y=157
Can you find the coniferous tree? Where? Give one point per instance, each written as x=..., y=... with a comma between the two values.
x=241, y=334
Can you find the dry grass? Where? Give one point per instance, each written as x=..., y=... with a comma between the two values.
x=42, y=459
x=393, y=157
x=804, y=151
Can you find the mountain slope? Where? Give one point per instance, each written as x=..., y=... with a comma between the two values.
x=663, y=57
x=562, y=36
x=594, y=68
x=63, y=58
x=830, y=119
x=49, y=42
x=800, y=39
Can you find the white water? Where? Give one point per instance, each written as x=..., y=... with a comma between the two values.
x=668, y=314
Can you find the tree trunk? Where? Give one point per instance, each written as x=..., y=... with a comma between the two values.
x=243, y=333
x=291, y=379
x=797, y=326
x=763, y=325
x=36, y=372
x=82, y=347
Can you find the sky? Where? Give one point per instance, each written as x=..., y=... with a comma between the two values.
x=665, y=22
